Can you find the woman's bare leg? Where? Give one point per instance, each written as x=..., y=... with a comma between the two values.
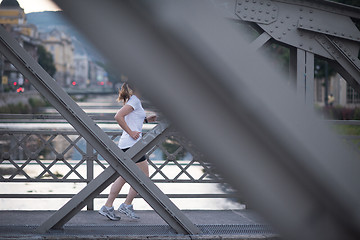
x=132, y=193
x=114, y=191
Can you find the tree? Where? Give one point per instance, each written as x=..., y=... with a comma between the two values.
x=46, y=60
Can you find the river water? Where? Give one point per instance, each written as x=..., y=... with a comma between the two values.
x=101, y=105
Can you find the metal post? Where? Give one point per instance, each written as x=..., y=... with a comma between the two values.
x=293, y=65
x=309, y=81
x=301, y=74
x=89, y=170
x=326, y=83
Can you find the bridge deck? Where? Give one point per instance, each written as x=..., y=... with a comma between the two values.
x=215, y=224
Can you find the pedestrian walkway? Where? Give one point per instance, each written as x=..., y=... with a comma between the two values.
x=215, y=224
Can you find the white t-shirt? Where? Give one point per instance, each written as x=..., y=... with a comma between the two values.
x=134, y=120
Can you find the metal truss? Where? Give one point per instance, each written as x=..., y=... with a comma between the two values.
x=321, y=28
x=120, y=162
x=204, y=76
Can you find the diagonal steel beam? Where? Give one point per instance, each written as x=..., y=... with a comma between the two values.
x=97, y=185
x=100, y=141
x=271, y=148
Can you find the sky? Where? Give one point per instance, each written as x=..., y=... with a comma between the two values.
x=38, y=5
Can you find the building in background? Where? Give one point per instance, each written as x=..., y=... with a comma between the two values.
x=60, y=46
x=97, y=75
x=344, y=95
x=13, y=18
x=81, y=77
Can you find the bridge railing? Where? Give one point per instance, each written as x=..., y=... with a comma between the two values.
x=63, y=156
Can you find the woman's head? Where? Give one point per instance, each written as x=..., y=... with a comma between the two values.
x=126, y=91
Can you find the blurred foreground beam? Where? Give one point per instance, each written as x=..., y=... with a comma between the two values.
x=224, y=96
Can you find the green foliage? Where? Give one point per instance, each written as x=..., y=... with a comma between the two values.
x=349, y=130
x=46, y=60
x=22, y=108
x=340, y=113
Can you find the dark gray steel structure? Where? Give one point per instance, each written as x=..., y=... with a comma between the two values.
x=176, y=49
x=308, y=28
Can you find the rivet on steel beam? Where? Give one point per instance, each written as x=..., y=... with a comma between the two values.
x=289, y=29
x=310, y=48
x=353, y=59
x=276, y=26
x=326, y=30
x=239, y=3
x=301, y=9
x=246, y=0
x=273, y=17
x=253, y=10
x=274, y=9
x=259, y=19
x=279, y=38
x=350, y=36
x=269, y=4
x=260, y=11
x=245, y=16
x=287, y=16
x=342, y=34
x=301, y=25
x=254, y=1
x=311, y=19
x=311, y=11
x=246, y=8
x=252, y=18
x=311, y=27
x=284, y=33
x=266, y=20
x=294, y=25
x=267, y=12
x=319, y=29
x=301, y=44
x=271, y=31
x=335, y=33
x=301, y=17
x=282, y=21
x=238, y=11
x=261, y=2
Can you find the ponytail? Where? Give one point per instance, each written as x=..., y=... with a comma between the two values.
x=125, y=92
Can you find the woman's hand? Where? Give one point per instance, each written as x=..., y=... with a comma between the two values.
x=134, y=134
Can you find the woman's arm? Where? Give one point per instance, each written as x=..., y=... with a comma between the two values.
x=120, y=118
